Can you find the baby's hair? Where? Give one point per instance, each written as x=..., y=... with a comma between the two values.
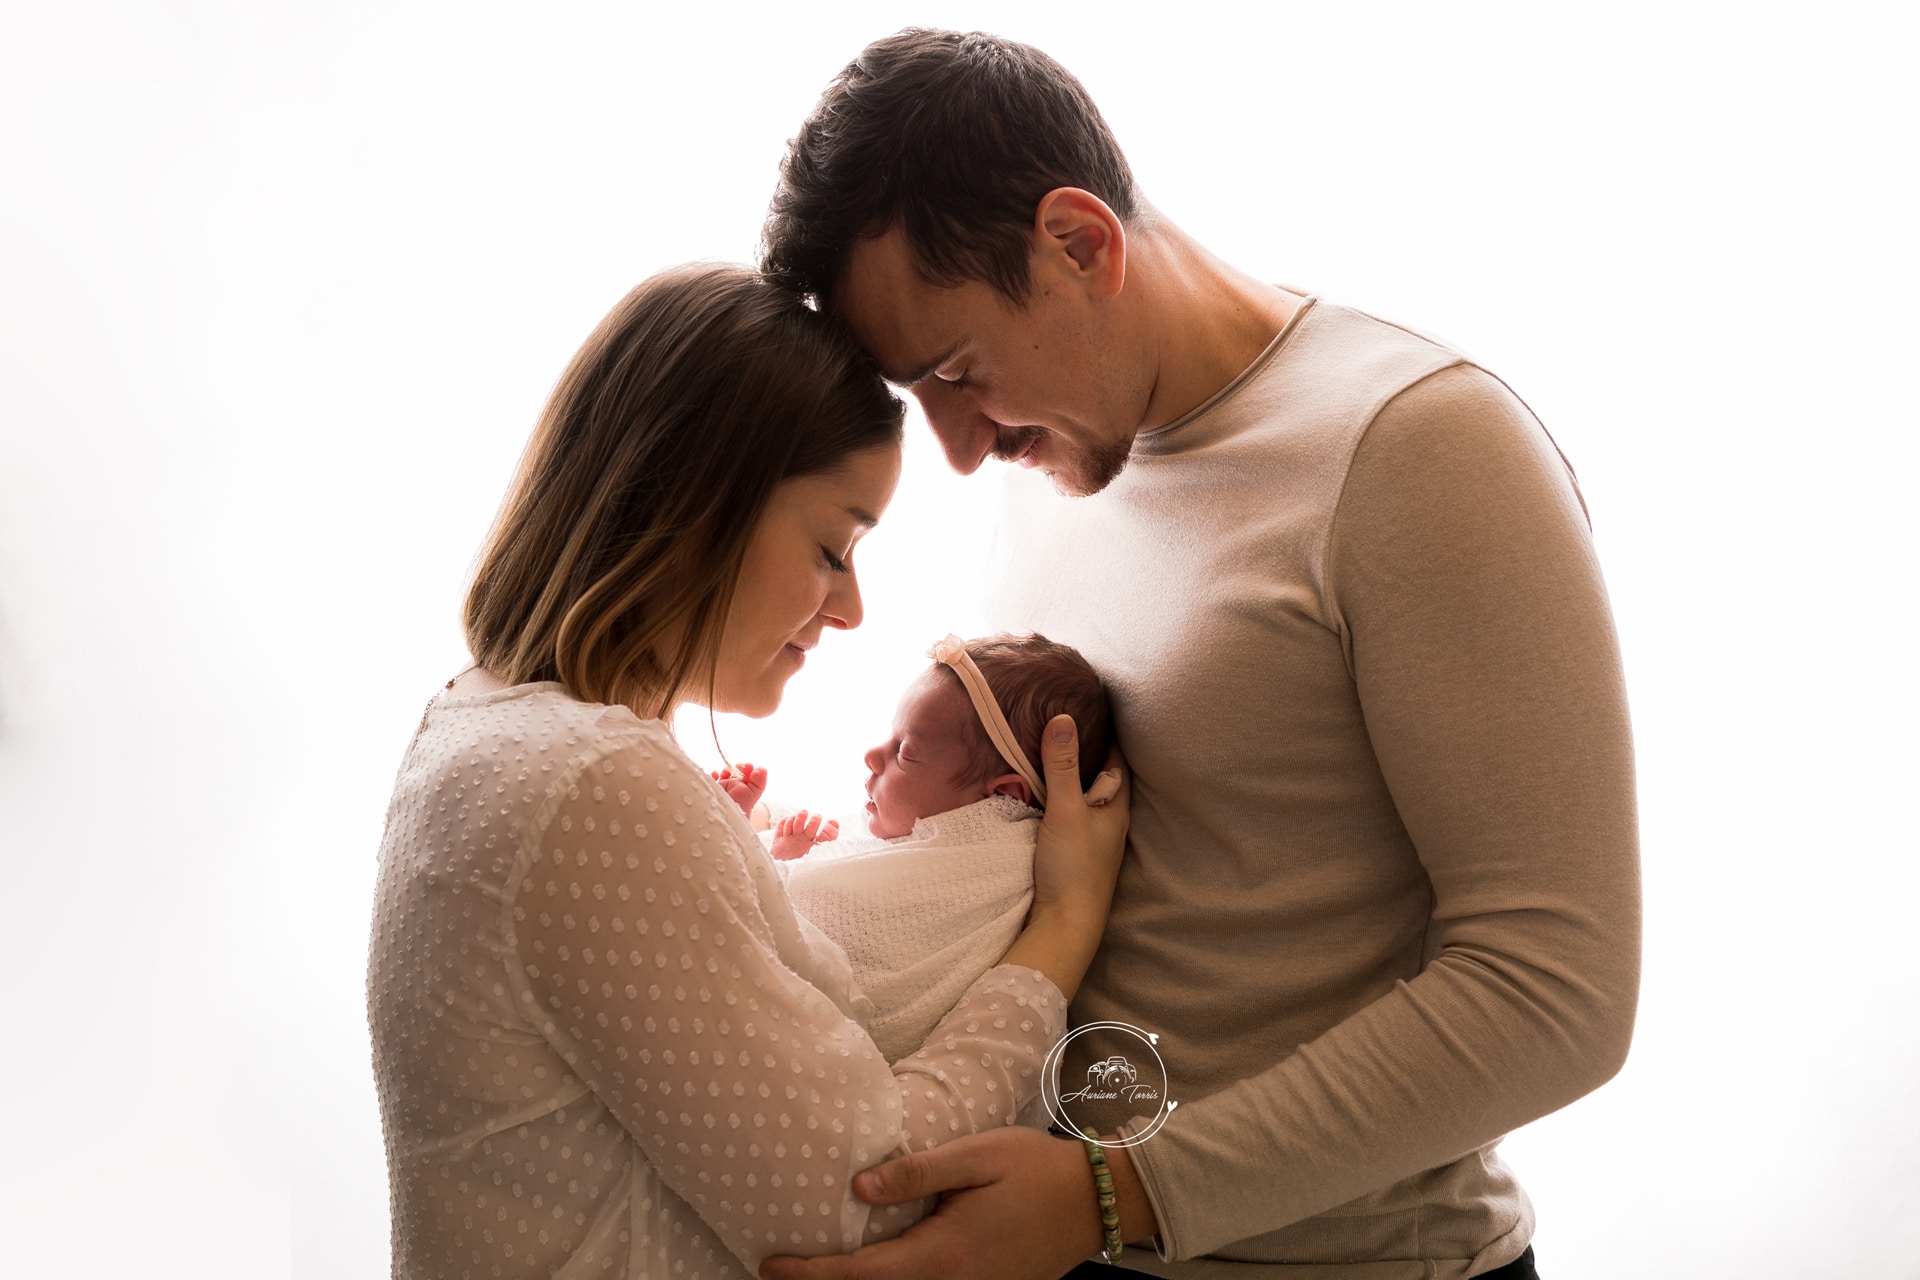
x=1033, y=679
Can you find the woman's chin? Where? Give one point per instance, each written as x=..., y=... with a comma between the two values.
x=755, y=702
x=757, y=710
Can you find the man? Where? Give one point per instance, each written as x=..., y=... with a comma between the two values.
x=1381, y=899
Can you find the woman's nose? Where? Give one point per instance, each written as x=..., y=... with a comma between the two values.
x=844, y=608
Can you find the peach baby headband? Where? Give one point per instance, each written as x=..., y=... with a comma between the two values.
x=953, y=652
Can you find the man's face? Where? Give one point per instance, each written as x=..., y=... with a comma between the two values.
x=1041, y=384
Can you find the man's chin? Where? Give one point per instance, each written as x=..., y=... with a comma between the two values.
x=1087, y=474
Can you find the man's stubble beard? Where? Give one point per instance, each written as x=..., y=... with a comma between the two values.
x=1087, y=470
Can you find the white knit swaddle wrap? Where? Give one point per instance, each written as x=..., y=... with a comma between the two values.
x=921, y=916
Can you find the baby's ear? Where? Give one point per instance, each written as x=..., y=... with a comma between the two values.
x=1010, y=784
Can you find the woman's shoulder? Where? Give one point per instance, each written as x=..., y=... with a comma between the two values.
x=527, y=739
x=542, y=710
x=496, y=776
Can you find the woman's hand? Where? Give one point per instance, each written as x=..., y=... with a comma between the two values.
x=1075, y=864
x=1077, y=859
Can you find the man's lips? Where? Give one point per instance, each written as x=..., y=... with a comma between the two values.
x=1019, y=447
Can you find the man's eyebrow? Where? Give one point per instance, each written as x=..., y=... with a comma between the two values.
x=920, y=372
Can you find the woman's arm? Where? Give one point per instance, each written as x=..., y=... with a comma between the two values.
x=1075, y=864
x=650, y=961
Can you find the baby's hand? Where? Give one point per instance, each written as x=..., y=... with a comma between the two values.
x=799, y=832
x=744, y=783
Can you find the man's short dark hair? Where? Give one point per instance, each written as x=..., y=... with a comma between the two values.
x=952, y=136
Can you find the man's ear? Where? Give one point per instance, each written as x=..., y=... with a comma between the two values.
x=1010, y=784
x=1078, y=232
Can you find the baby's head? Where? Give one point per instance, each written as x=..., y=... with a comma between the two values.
x=940, y=756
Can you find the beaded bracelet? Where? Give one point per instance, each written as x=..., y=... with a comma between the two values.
x=1103, y=1189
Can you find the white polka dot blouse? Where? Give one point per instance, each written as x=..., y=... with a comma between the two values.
x=597, y=1047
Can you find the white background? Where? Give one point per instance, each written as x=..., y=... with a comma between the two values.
x=285, y=287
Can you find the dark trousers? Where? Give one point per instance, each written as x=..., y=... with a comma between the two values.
x=1521, y=1268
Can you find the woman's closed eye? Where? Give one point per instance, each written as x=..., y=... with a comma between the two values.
x=835, y=563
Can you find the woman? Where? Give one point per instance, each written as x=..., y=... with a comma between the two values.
x=599, y=1047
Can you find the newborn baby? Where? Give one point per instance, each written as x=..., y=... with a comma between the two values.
x=941, y=888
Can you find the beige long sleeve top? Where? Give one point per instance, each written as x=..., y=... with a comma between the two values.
x=598, y=1041
x=1381, y=895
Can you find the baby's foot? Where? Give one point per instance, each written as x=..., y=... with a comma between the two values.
x=798, y=832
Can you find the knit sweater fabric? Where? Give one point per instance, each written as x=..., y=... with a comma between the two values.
x=1381, y=897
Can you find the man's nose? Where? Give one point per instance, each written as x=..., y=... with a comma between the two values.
x=965, y=434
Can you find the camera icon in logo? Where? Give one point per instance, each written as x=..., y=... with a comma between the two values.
x=1113, y=1073
x=1125, y=1093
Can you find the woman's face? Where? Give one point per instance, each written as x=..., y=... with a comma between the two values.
x=797, y=579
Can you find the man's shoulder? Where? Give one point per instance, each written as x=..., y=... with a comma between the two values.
x=1336, y=341
x=1309, y=397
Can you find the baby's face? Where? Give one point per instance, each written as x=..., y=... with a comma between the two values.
x=911, y=775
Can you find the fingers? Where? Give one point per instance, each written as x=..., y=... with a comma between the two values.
x=1060, y=752
x=897, y=1257
x=816, y=827
x=948, y=1167
x=1110, y=780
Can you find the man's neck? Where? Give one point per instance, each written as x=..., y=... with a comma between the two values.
x=1207, y=321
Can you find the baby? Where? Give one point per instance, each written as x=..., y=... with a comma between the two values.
x=940, y=890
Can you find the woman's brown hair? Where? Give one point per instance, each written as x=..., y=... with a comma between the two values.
x=613, y=561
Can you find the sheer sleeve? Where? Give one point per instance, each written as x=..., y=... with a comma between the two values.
x=656, y=953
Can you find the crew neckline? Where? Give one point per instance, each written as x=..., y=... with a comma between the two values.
x=1240, y=379
x=446, y=698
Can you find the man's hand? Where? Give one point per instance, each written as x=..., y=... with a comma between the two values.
x=798, y=832
x=744, y=784
x=1015, y=1204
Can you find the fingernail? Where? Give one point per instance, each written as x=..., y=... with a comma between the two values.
x=1061, y=731
x=868, y=1186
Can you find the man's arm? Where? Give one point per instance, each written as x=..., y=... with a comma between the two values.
x=1463, y=583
